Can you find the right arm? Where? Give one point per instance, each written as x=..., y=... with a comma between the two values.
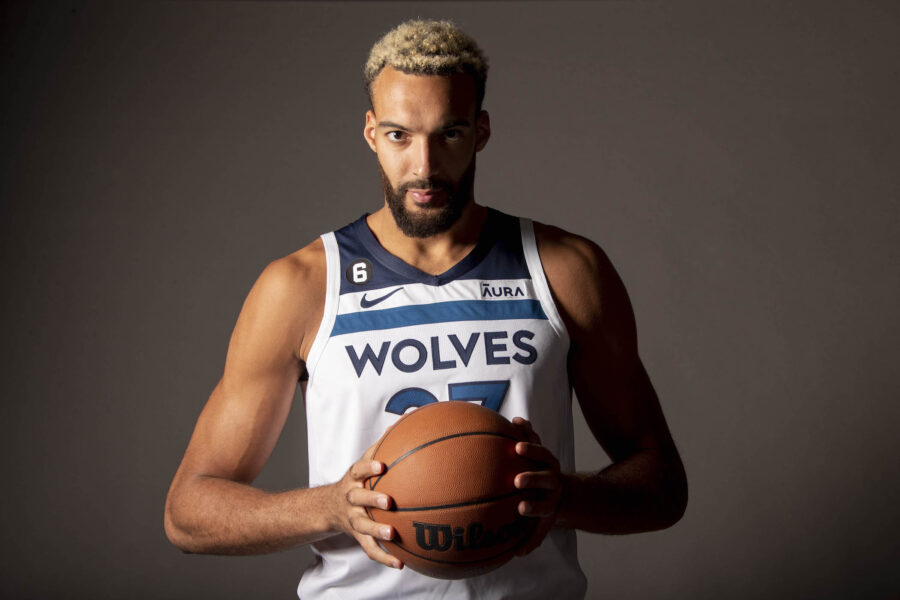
x=212, y=506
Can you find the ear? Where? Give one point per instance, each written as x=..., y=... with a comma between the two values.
x=482, y=130
x=369, y=130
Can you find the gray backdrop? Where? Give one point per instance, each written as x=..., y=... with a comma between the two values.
x=737, y=161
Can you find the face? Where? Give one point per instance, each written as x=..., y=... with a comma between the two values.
x=425, y=131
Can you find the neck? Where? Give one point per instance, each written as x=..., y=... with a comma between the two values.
x=434, y=254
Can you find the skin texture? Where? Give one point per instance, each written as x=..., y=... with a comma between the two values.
x=424, y=130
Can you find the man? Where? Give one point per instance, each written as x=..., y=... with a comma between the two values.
x=394, y=311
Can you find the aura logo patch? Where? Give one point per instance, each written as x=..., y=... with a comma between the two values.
x=367, y=303
x=498, y=291
x=359, y=272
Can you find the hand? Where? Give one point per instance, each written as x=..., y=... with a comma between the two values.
x=544, y=486
x=348, y=509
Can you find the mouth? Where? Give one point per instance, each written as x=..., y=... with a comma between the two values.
x=426, y=196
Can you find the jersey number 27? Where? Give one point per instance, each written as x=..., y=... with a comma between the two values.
x=489, y=393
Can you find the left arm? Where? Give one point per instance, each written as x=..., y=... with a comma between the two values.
x=645, y=488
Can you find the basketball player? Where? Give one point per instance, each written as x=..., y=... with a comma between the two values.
x=433, y=297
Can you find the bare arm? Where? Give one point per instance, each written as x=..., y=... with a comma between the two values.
x=212, y=506
x=645, y=488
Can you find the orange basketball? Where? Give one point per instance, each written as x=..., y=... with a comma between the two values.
x=450, y=469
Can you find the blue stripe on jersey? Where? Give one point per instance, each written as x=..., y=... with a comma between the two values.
x=438, y=312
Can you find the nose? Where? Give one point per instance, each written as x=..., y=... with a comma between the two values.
x=426, y=155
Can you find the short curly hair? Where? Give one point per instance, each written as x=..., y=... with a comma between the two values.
x=428, y=47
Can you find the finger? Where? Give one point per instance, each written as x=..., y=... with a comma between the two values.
x=537, y=508
x=537, y=452
x=544, y=480
x=363, y=469
x=525, y=426
x=370, y=451
x=364, y=497
x=377, y=553
x=362, y=524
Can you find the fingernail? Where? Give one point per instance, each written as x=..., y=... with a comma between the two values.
x=385, y=533
x=376, y=467
x=382, y=502
x=398, y=565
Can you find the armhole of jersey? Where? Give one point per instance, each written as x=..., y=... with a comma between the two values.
x=332, y=290
x=536, y=269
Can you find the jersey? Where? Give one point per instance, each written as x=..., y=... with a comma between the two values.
x=393, y=338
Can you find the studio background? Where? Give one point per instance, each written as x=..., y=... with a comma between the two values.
x=737, y=161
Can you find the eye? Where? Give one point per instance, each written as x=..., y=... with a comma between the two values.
x=396, y=136
x=453, y=134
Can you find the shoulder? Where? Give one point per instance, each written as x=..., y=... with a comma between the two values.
x=583, y=281
x=300, y=271
x=290, y=294
x=567, y=252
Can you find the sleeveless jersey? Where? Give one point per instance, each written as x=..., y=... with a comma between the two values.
x=392, y=338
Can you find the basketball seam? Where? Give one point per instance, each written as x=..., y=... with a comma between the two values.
x=384, y=436
x=458, y=504
x=436, y=441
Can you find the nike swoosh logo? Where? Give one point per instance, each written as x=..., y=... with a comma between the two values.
x=366, y=303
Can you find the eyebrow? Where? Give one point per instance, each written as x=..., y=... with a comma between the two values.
x=392, y=125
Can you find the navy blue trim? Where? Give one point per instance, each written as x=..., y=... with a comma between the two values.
x=438, y=312
x=415, y=275
x=497, y=255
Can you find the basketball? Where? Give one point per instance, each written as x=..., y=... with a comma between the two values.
x=450, y=470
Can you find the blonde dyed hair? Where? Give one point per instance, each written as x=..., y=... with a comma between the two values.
x=428, y=47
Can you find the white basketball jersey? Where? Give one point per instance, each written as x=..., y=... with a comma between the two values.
x=393, y=338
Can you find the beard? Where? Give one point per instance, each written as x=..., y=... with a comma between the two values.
x=429, y=220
